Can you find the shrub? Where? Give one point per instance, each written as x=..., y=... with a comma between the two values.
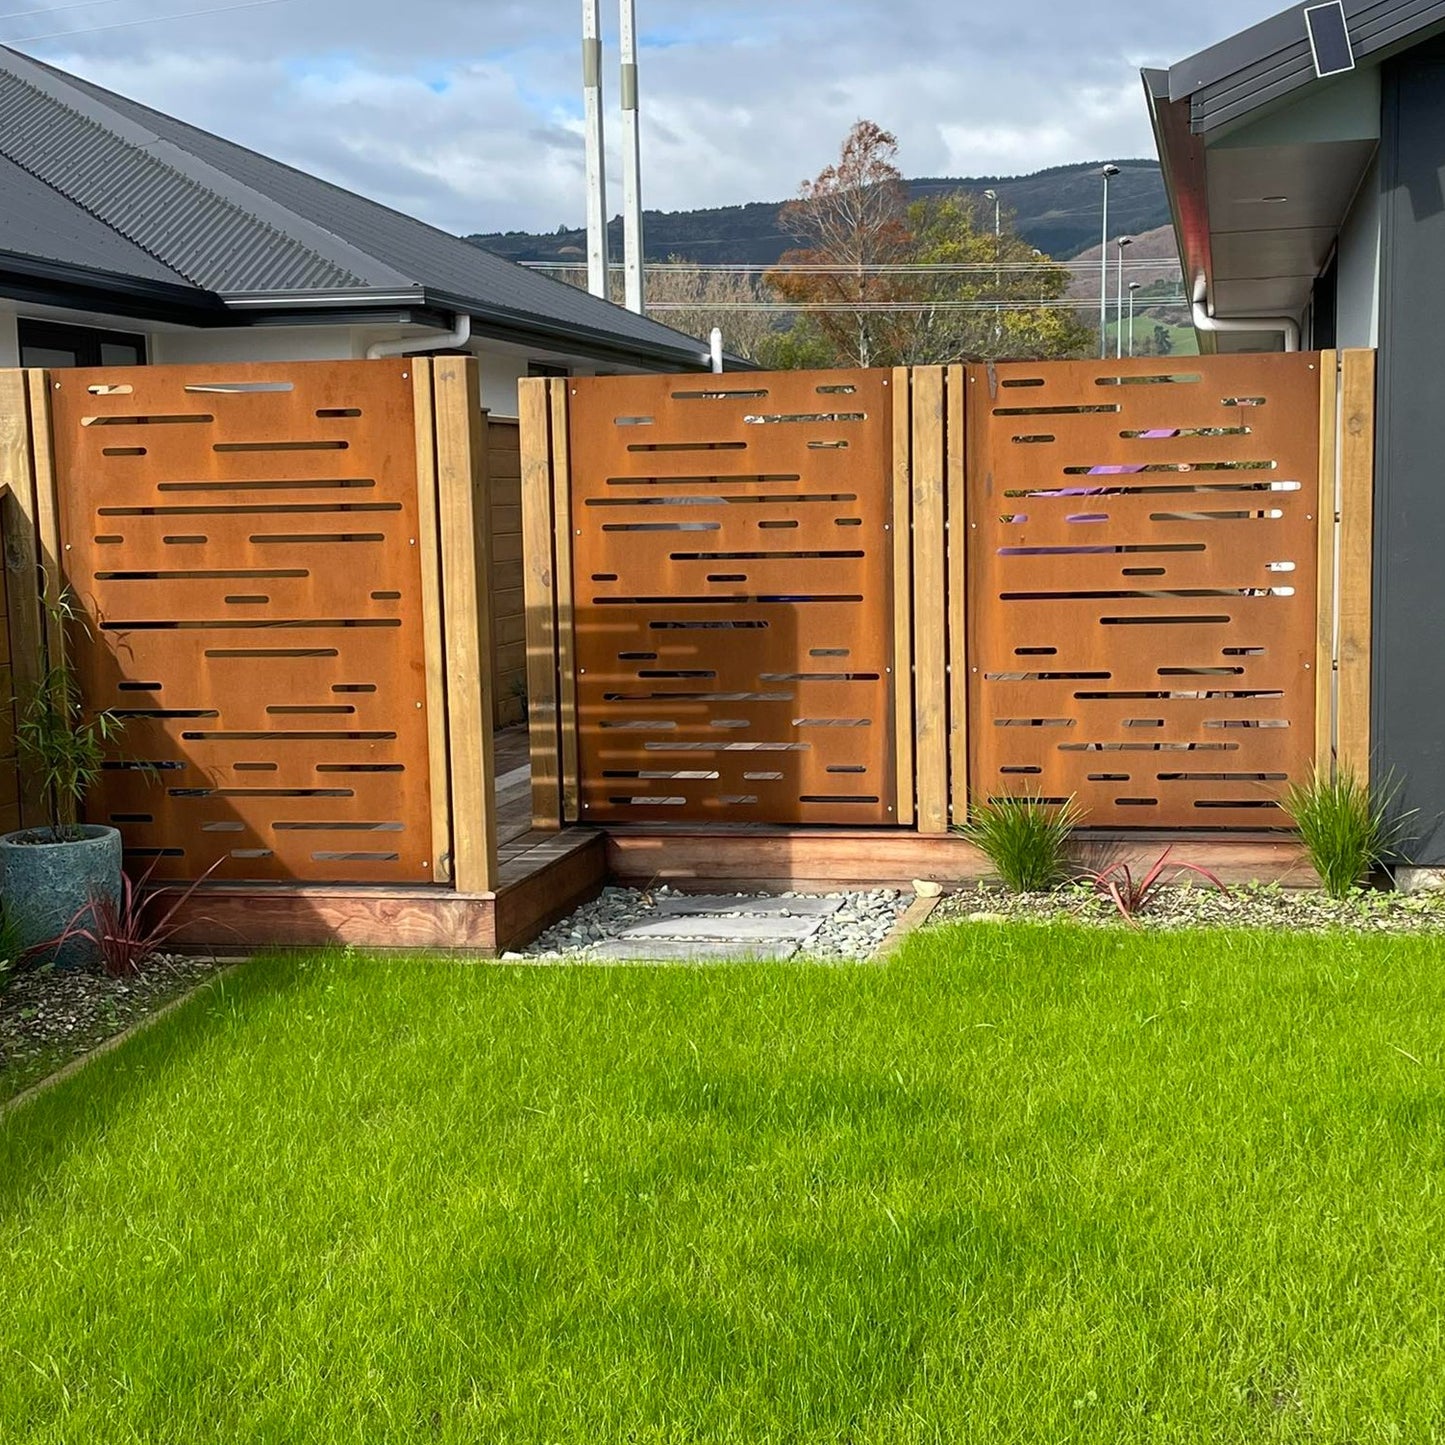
x=1347, y=829
x=1131, y=895
x=1024, y=838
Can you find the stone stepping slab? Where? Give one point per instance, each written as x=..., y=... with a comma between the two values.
x=697, y=950
x=736, y=928
x=724, y=904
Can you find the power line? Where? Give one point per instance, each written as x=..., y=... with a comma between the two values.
x=42, y=11
x=900, y=268
x=144, y=20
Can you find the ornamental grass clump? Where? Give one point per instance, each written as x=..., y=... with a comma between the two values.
x=1026, y=839
x=1347, y=829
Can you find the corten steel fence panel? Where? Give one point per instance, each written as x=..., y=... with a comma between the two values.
x=1142, y=585
x=243, y=543
x=733, y=587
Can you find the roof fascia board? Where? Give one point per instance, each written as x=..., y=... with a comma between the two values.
x=59, y=283
x=326, y=244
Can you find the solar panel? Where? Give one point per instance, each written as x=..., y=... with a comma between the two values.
x=1329, y=38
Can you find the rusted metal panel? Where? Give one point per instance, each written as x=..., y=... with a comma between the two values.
x=243, y=543
x=1142, y=585
x=732, y=565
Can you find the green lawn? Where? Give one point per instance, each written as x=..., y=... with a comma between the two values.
x=1022, y=1184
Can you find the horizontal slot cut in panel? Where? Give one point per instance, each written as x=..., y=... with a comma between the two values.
x=277, y=652
x=258, y=509
x=133, y=818
x=1175, y=696
x=289, y=737
x=839, y=798
x=123, y=451
x=163, y=712
x=763, y=556
x=256, y=767
x=1046, y=677
x=1108, y=777
x=308, y=709
x=1148, y=747
x=1112, y=593
x=294, y=485
x=1181, y=378
x=718, y=396
x=722, y=501
x=353, y=687
x=1155, y=434
x=1204, y=619
x=701, y=674
x=1050, y=410
x=789, y=418
x=817, y=677
x=327, y=412
x=186, y=539
x=729, y=480
x=238, y=388
x=360, y=767
x=326, y=855
x=252, y=597
x=832, y=722
x=261, y=792
x=116, y=389
x=664, y=526
x=182, y=419
x=1268, y=514
x=792, y=599
x=697, y=697
x=774, y=525
x=224, y=623
x=671, y=747
x=724, y=626
x=330, y=446
x=637, y=657
x=624, y=802
x=1269, y=803
x=697, y=777
x=1222, y=777
x=1033, y=722
x=687, y=447
x=142, y=765
x=1036, y=652
x=219, y=574
x=326, y=538
x=138, y=686
x=1020, y=768
x=223, y=827
x=338, y=827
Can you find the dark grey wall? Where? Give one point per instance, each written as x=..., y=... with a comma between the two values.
x=1409, y=625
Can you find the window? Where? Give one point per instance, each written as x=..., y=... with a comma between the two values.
x=49, y=344
x=546, y=368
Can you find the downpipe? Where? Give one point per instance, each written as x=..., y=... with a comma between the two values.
x=1287, y=326
x=459, y=335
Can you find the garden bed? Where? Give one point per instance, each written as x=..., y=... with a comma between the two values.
x=50, y=1017
x=1249, y=905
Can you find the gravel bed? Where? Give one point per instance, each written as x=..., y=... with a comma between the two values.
x=50, y=1016
x=1249, y=905
x=855, y=931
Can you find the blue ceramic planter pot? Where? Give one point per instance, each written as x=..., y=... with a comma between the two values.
x=45, y=883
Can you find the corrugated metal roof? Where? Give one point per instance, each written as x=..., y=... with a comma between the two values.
x=38, y=221
x=236, y=222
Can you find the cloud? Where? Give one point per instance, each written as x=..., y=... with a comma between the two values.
x=466, y=112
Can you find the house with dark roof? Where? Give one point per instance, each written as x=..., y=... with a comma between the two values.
x=129, y=236
x=1305, y=164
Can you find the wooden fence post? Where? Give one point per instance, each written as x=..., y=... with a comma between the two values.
x=569, y=766
x=1357, y=522
x=534, y=412
x=433, y=620
x=465, y=550
x=957, y=595
x=902, y=524
x=930, y=637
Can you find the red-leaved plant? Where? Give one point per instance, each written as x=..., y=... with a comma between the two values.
x=129, y=930
x=1131, y=895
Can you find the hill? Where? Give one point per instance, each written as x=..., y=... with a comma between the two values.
x=1057, y=211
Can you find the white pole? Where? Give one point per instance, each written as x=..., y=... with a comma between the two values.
x=1119, y=313
x=715, y=350
x=1133, y=287
x=631, y=165
x=596, y=163
x=1107, y=173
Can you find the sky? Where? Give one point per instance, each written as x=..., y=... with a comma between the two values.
x=467, y=113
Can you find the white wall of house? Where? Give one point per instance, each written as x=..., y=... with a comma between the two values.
x=502, y=364
x=1357, y=319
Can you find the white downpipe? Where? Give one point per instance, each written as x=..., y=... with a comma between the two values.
x=459, y=335
x=1287, y=326
x=715, y=350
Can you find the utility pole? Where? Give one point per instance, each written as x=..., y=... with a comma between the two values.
x=1108, y=173
x=632, y=266
x=1133, y=287
x=596, y=162
x=997, y=279
x=1119, y=319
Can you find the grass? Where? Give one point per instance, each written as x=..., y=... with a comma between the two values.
x=1347, y=828
x=1022, y=1184
x=1026, y=839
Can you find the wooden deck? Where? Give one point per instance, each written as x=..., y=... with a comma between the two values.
x=542, y=877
